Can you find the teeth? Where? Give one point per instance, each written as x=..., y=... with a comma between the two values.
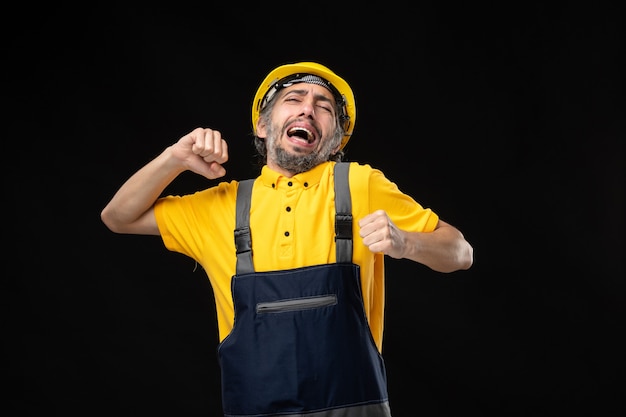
x=301, y=132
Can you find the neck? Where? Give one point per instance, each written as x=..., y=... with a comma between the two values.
x=274, y=167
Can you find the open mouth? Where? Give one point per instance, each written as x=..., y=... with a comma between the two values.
x=302, y=133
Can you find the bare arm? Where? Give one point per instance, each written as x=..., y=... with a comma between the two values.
x=202, y=151
x=444, y=249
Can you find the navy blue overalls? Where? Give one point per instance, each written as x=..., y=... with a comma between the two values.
x=301, y=344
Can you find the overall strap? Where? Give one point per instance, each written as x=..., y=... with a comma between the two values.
x=343, y=220
x=343, y=213
x=243, y=240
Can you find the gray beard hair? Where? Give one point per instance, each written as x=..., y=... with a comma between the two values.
x=295, y=163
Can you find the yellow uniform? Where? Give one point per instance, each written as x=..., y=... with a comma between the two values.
x=292, y=222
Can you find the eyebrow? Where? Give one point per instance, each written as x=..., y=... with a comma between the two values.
x=303, y=92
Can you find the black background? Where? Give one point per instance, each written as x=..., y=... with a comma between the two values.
x=508, y=121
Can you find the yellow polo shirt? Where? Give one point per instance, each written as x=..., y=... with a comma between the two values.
x=292, y=222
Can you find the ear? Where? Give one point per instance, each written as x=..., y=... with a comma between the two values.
x=261, y=130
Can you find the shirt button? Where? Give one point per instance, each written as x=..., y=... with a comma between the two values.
x=286, y=233
x=288, y=209
x=306, y=184
x=290, y=183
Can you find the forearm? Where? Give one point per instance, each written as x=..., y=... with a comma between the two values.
x=130, y=209
x=443, y=250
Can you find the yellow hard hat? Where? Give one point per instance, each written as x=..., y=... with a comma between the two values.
x=281, y=76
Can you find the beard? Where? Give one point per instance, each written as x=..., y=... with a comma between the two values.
x=296, y=163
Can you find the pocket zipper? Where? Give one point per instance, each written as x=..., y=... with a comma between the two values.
x=295, y=304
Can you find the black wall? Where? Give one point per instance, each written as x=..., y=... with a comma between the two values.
x=507, y=121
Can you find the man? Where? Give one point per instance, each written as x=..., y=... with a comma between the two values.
x=295, y=257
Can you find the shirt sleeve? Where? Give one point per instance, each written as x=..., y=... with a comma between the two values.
x=191, y=223
x=383, y=194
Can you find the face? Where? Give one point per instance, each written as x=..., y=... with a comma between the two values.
x=303, y=131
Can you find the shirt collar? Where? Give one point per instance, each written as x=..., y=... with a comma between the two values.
x=273, y=179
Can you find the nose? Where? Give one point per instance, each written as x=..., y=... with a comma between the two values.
x=308, y=108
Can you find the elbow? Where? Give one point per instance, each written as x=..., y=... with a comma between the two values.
x=109, y=221
x=465, y=257
x=461, y=259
